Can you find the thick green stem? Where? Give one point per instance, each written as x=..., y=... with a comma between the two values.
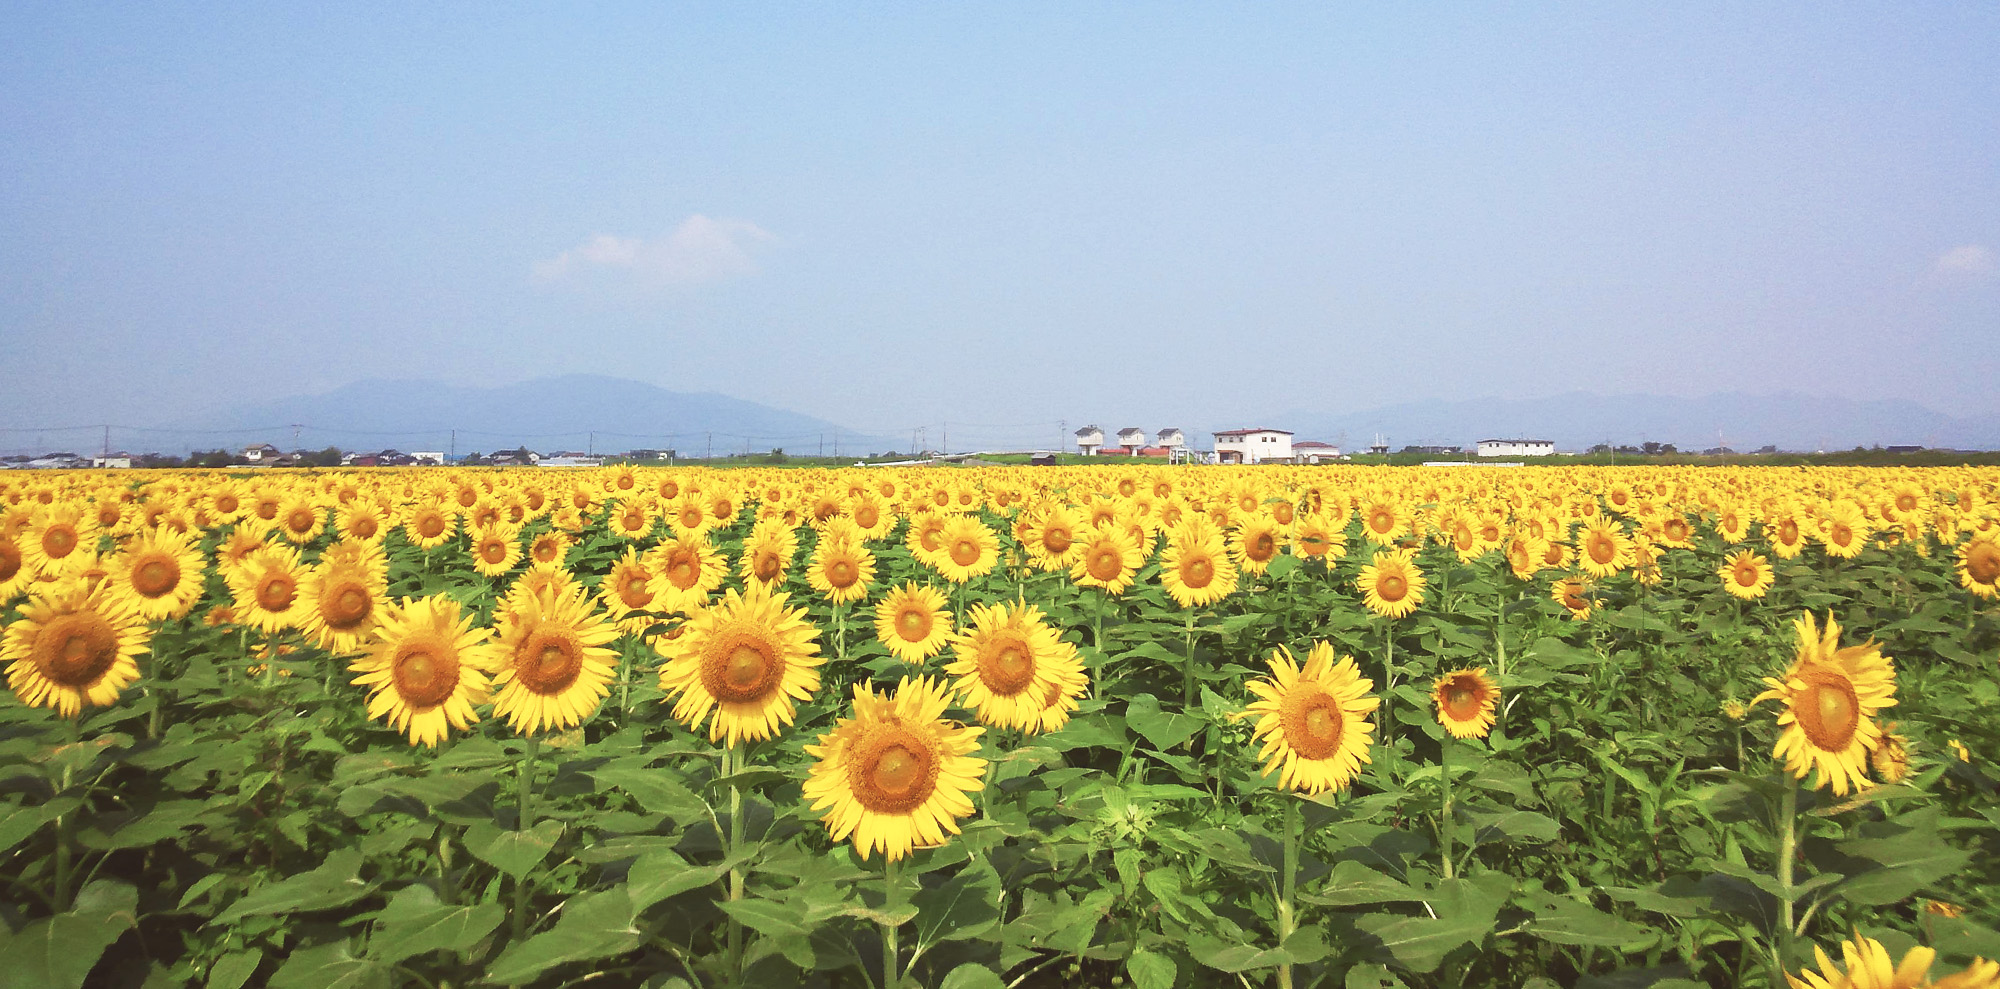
x=840, y=631
x=72, y=732
x=732, y=764
x=892, y=901
x=1187, y=669
x=1287, y=921
x=524, y=799
x=1444, y=804
x=1788, y=812
x=1388, y=697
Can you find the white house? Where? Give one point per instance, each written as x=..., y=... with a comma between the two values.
x=1252, y=446
x=1171, y=438
x=119, y=462
x=1089, y=439
x=262, y=453
x=1516, y=448
x=1132, y=438
x=431, y=458
x=1315, y=452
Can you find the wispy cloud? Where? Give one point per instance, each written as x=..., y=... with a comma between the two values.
x=702, y=249
x=1968, y=259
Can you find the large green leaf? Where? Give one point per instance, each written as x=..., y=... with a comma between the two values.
x=965, y=907
x=592, y=926
x=232, y=970
x=1151, y=969
x=335, y=883
x=1466, y=909
x=1566, y=921
x=59, y=952
x=330, y=966
x=515, y=853
x=1162, y=728
x=659, y=875
x=415, y=922
x=1353, y=884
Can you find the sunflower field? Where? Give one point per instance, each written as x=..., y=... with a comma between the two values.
x=972, y=728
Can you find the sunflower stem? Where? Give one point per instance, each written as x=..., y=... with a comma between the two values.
x=72, y=733
x=892, y=890
x=1444, y=804
x=1788, y=810
x=1388, y=697
x=840, y=630
x=732, y=764
x=1187, y=668
x=524, y=821
x=1287, y=922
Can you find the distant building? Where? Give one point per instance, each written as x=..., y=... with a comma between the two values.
x=1516, y=448
x=1315, y=452
x=1904, y=448
x=120, y=461
x=1171, y=438
x=1131, y=440
x=427, y=458
x=1089, y=440
x=262, y=453
x=1253, y=446
x=1433, y=449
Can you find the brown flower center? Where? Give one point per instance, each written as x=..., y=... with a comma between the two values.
x=683, y=570
x=346, y=605
x=1261, y=547
x=965, y=552
x=548, y=661
x=866, y=516
x=893, y=771
x=493, y=550
x=425, y=673
x=1197, y=572
x=766, y=566
x=1982, y=562
x=10, y=560
x=633, y=592
x=1007, y=664
x=430, y=525
x=1746, y=574
x=1828, y=711
x=1392, y=588
x=76, y=650
x=741, y=668
x=1106, y=563
x=1312, y=721
x=1601, y=548
x=842, y=574
x=1057, y=540
x=276, y=590
x=59, y=540
x=156, y=576
x=913, y=623
x=300, y=520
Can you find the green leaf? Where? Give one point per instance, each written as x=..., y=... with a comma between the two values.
x=1151, y=970
x=655, y=790
x=515, y=853
x=60, y=951
x=591, y=926
x=330, y=966
x=1959, y=939
x=1091, y=731
x=1369, y=975
x=973, y=975
x=1353, y=884
x=1903, y=864
x=1512, y=825
x=233, y=969
x=659, y=875
x=1165, y=730
x=965, y=907
x=415, y=922
x=1566, y=921
x=1465, y=913
x=336, y=883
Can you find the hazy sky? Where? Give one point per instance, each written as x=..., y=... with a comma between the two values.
x=888, y=215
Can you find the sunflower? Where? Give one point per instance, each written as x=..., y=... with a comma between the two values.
x=1314, y=721
x=158, y=573
x=1979, y=564
x=748, y=659
x=1008, y=663
x=1785, y=535
x=244, y=541
x=925, y=537
x=1390, y=584
x=427, y=669
x=1843, y=530
x=685, y=572
x=1314, y=536
x=363, y=519
x=428, y=525
x=496, y=548
x=15, y=573
x=300, y=519
x=1465, y=701
x=912, y=622
x=224, y=503
x=1831, y=696
x=896, y=775
x=969, y=548
x=548, y=550
x=551, y=662
x=269, y=588
x=689, y=516
x=1745, y=575
x=349, y=591
x=768, y=553
x=1050, y=537
x=1196, y=568
x=632, y=519
x=1870, y=967
x=1891, y=758
x=1675, y=532
x=1574, y=595
x=627, y=592
x=870, y=517
x=842, y=568
x=1108, y=560
x=1602, y=548
x=1524, y=556
x=60, y=540
x=1383, y=521
x=73, y=648
x=1258, y=541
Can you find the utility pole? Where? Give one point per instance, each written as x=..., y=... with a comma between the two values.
x=711, y=448
x=590, y=445
x=107, y=441
x=1062, y=434
x=822, y=444
x=295, y=435
x=836, y=444
x=453, y=455
x=945, y=443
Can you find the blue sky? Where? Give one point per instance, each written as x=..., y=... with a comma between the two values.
x=896, y=214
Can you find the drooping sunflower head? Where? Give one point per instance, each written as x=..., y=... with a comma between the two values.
x=748, y=660
x=73, y=647
x=1869, y=966
x=896, y=776
x=767, y=554
x=1313, y=720
x=1574, y=595
x=1390, y=584
x=912, y=623
x=1465, y=700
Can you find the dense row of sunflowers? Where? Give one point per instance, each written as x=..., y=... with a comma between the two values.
x=706, y=588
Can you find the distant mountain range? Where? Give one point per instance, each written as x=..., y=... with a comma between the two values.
x=1577, y=421
x=588, y=413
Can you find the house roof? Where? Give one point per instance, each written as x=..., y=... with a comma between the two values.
x=1547, y=442
x=1246, y=432
x=1312, y=445
x=1131, y=429
x=1087, y=430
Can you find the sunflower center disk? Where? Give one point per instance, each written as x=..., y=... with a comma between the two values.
x=300, y=520
x=766, y=566
x=1982, y=563
x=276, y=592
x=633, y=592
x=425, y=674
x=742, y=671
x=682, y=573
x=1057, y=541
x=430, y=526
x=1263, y=547
x=1105, y=564
x=841, y=574
x=1601, y=550
x=547, y=663
x=1007, y=668
x=59, y=541
x=1828, y=713
x=895, y=772
x=493, y=550
x=155, y=577
x=75, y=650
x=1392, y=588
x=913, y=625
x=10, y=561
x=1313, y=723
x=1746, y=575
x=965, y=552
x=1198, y=573
x=346, y=607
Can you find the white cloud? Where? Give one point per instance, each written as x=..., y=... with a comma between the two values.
x=1968, y=259
x=700, y=250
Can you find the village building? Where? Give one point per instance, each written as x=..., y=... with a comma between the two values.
x=1131, y=439
x=1516, y=448
x=1253, y=446
x=1171, y=438
x=262, y=453
x=1089, y=440
x=1315, y=452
